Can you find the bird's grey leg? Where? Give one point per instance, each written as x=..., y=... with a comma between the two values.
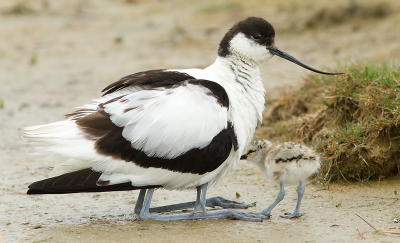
x=210, y=202
x=178, y=206
x=144, y=212
x=198, y=189
x=296, y=213
x=217, y=214
x=200, y=205
x=139, y=202
x=281, y=195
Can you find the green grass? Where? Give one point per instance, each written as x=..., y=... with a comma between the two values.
x=33, y=60
x=353, y=120
x=44, y=240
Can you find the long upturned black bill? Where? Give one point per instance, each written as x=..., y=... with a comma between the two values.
x=276, y=51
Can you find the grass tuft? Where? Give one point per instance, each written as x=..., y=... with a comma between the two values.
x=352, y=119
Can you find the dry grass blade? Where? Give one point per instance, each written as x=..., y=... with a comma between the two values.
x=366, y=222
x=361, y=235
x=47, y=239
x=396, y=233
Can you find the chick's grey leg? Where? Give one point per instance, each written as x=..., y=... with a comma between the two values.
x=296, y=213
x=281, y=195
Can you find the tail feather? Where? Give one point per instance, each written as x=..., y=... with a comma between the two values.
x=83, y=176
x=79, y=181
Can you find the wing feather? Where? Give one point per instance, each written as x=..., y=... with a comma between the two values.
x=153, y=78
x=166, y=123
x=183, y=128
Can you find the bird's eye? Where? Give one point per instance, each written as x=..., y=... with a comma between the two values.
x=256, y=36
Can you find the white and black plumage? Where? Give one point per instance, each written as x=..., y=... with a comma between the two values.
x=285, y=163
x=174, y=129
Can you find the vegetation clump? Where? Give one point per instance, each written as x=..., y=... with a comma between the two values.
x=353, y=10
x=20, y=8
x=353, y=120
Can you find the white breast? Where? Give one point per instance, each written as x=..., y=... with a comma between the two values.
x=242, y=82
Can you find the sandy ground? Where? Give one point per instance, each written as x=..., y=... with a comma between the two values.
x=58, y=55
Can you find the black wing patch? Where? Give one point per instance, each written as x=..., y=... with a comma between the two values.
x=78, y=181
x=110, y=142
x=195, y=161
x=216, y=90
x=153, y=78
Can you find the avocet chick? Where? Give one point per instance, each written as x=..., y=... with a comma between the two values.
x=287, y=163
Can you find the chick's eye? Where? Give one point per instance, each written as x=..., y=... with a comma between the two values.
x=256, y=36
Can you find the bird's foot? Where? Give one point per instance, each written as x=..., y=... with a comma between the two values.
x=226, y=203
x=291, y=215
x=265, y=212
x=145, y=215
x=217, y=214
x=210, y=202
x=198, y=209
x=237, y=215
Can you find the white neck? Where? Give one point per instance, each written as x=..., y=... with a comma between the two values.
x=241, y=80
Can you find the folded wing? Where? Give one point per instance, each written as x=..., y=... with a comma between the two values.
x=134, y=137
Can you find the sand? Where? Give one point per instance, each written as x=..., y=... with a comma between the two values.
x=58, y=55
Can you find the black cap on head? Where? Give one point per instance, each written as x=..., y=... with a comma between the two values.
x=262, y=32
x=249, y=27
